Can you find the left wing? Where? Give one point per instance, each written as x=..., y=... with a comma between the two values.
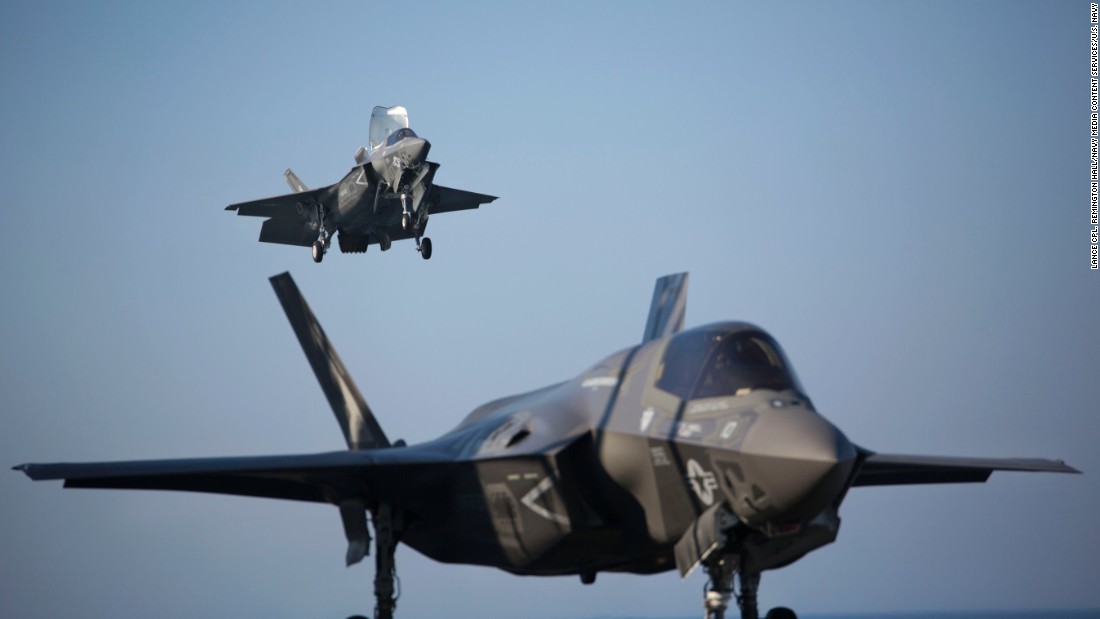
x=891, y=470
x=447, y=199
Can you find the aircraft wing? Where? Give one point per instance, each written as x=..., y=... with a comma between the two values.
x=892, y=470
x=321, y=478
x=448, y=199
x=289, y=219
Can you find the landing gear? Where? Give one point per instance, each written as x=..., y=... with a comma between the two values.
x=719, y=589
x=387, y=527
x=415, y=222
x=406, y=219
x=324, y=238
x=746, y=601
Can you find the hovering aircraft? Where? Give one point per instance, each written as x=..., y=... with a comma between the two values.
x=387, y=196
x=692, y=448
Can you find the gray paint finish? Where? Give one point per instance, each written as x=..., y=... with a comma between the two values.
x=695, y=447
x=388, y=196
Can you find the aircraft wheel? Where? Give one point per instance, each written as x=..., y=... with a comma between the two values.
x=781, y=612
x=426, y=248
x=318, y=251
x=404, y=221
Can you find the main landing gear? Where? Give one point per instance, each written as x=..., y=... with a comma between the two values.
x=387, y=530
x=721, y=570
x=324, y=238
x=387, y=527
x=415, y=222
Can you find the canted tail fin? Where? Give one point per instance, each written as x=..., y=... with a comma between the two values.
x=296, y=184
x=356, y=420
x=666, y=311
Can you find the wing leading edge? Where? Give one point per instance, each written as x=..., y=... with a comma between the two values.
x=893, y=469
x=321, y=478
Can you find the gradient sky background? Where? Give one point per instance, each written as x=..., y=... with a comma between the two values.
x=897, y=192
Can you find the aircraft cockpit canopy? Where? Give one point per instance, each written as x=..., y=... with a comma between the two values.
x=724, y=360
x=384, y=121
x=399, y=135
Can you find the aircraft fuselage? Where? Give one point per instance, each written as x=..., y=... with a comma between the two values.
x=606, y=472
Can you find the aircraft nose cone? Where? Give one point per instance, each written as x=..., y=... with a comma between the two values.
x=415, y=151
x=796, y=464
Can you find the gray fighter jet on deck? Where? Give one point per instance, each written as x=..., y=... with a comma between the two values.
x=387, y=196
x=691, y=448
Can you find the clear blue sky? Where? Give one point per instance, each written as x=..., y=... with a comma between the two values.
x=897, y=192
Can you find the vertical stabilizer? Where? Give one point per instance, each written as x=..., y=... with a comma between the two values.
x=296, y=184
x=357, y=421
x=666, y=311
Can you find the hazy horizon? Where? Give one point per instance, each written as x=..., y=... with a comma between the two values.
x=897, y=192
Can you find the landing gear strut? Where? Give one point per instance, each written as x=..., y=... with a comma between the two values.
x=721, y=571
x=719, y=587
x=324, y=238
x=415, y=222
x=387, y=527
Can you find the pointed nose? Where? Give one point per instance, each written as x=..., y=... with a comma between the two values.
x=796, y=464
x=415, y=151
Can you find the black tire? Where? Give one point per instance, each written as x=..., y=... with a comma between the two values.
x=781, y=612
x=426, y=248
x=318, y=251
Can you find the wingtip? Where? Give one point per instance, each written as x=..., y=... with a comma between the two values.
x=1069, y=469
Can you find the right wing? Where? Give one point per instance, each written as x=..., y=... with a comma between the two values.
x=892, y=470
x=322, y=478
x=291, y=220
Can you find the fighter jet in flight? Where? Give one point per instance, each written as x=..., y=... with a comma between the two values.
x=387, y=196
x=691, y=448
